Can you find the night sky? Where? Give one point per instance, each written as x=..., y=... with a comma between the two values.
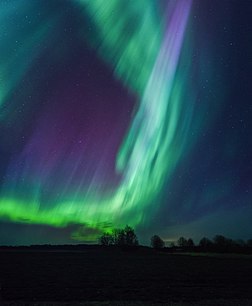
x=125, y=112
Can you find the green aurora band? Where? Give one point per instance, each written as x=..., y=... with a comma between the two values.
x=150, y=53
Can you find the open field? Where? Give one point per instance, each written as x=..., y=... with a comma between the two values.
x=141, y=277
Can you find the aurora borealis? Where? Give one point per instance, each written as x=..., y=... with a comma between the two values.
x=121, y=112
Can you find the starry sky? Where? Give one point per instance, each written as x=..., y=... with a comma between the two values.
x=125, y=112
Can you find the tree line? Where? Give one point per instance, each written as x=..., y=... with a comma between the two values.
x=127, y=238
x=219, y=243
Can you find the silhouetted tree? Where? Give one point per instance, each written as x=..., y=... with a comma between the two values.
x=157, y=242
x=106, y=239
x=130, y=238
x=205, y=244
x=190, y=243
x=223, y=244
x=182, y=242
x=120, y=237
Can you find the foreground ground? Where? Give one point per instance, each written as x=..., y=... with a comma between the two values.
x=115, y=277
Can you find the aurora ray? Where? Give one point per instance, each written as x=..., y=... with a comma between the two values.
x=147, y=60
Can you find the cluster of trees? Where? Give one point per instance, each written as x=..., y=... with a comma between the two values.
x=158, y=243
x=218, y=244
x=223, y=244
x=185, y=243
x=120, y=237
x=127, y=238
